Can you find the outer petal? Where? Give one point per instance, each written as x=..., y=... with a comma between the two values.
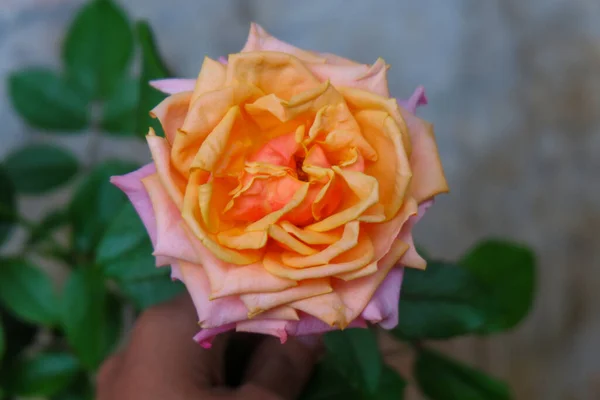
x=174, y=85
x=132, y=185
x=383, y=306
x=259, y=302
x=171, y=240
x=171, y=112
x=261, y=40
x=281, y=74
x=211, y=313
x=418, y=98
x=367, y=77
x=357, y=293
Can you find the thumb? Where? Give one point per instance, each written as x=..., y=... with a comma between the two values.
x=280, y=371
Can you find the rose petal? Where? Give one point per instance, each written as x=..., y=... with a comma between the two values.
x=365, y=187
x=204, y=114
x=211, y=77
x=418, y=98
x=171, y=112
x=392, y=168
x=383, y=306
x=131, y=185
x=282, y=74
x=267, y=327
x=348, y=240
x=328, y=307
x=352, y=260
x=211, y=313
x=412, y=258
x=173, y=85
x=367, y=77
x=205, y=337
x=357, y=293
x=259, y=302
x=171, y=240
x=173, y=183
x=261, y=40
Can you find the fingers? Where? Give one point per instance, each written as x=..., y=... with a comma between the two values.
x=279, y=371
x=161, y=360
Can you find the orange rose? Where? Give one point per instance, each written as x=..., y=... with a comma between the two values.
x=285, y=190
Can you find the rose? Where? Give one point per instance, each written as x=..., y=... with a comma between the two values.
x=285, y=190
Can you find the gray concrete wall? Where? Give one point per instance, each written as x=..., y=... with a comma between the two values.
x=514, y=88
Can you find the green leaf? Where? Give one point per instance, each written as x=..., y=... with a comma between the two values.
x=441, y=378
x=47, y=101
x=38, y=168
x=27, y=292
x=328, y=383
x=50, y=222
x=356, y=355
x=125, y=233
x=391, y=386
x=95, y=203
x=441, y=302
x=45, y=374
x=2, y=341
x=153, y=67
x=98, y=47
x=136, y=264
x=8, y=206
x=507, y=271
x=148, y=292
x=87, y=318
x=18, y=335
x=120, y=109
x=79, y=389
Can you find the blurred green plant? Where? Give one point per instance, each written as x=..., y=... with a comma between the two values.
x=109, y=256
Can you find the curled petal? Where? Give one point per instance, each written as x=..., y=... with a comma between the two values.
x=171, y=113
x=259, y=302
x=348, y=240
x=204, y=114
x=353, y=260
x=192, y=216
x=288, y=241
x=310, y=237
x=365, y=187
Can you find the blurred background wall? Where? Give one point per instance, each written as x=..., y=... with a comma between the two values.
x=514, y=90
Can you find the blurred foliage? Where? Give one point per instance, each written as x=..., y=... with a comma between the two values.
x=109, y=255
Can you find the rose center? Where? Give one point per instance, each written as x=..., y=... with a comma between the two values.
x=302, y=176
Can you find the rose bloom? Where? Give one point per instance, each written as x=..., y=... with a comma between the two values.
x=284, y=192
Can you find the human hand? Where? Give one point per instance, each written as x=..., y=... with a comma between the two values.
x=162, y=362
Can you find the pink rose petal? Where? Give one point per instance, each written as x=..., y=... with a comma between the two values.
x=131, y=185
x=174, y=85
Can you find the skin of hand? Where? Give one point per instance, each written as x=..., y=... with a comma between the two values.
x=161, y=361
